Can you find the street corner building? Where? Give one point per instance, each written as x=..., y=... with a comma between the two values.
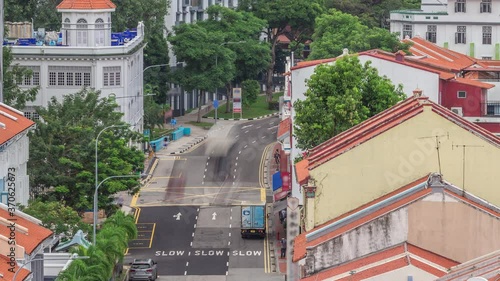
x=408, y=192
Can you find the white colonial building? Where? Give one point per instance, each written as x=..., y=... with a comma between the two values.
x=188, y=11
x=471, y=27
x=14, y=151
x=85, y=53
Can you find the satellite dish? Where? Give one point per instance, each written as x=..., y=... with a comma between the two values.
x=477, y=279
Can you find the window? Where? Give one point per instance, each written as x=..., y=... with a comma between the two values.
x=99, y=32
x=407, y=31
x=30, y=78
x=431, y=33
x=486, y=6
x=112, y=76
x=460, y=6
x=487, y=35
x=461, y=94
x=460, y=35
x=69, y=76
x=428, y=18
x=34, y=116
x=81, y=32
x=486, y=58
x=435, y=18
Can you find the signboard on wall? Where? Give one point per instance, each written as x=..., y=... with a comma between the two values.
x=236, y=100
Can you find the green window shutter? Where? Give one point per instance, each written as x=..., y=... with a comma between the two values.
x=471, y=52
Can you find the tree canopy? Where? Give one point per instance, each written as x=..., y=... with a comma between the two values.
x=62, y=151
x=340, y=96
x=284, y=17
x=336, y=30
x=13, y=75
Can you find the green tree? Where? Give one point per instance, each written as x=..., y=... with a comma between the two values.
x=372, y=13
x=336, y=31
x=242, y=32
x=126, y=222
x=57, y=217
x=208, y=66
x=250, y=90
x=154, y=114
x=292, y=17
x=340, y=96
x=12, y=75
x=62, y=151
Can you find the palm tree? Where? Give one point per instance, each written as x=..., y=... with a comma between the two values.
x=80, y=271
x=112, y=241
x=127, y=222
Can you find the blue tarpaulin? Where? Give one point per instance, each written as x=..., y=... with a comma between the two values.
x=277, y=181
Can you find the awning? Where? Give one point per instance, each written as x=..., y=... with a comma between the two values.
x=277, y=181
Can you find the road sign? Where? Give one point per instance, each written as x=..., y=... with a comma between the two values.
x=216, y=104
x=173, y=122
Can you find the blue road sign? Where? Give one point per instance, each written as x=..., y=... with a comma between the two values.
x=216, y=103
x=173, y=122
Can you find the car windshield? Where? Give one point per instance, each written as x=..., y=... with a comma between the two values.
x=141, y=266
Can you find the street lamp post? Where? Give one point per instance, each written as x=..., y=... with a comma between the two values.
x=42, y=259
x=97, y=160
x=96, y=197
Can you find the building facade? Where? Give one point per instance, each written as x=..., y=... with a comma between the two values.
x=470, y=27
x=14, y=152
x=85, y=53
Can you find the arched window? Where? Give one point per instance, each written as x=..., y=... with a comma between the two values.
x=99, y=32
x=67, y=31
x=81, y=32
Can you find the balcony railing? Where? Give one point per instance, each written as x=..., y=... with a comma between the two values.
x=492, y=108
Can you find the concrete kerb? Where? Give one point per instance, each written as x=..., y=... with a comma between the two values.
x=243, y=119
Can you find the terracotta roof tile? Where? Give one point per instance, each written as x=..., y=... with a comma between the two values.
x=8, y=275
x=486, y=266
x=302, y=171
x=14, y=121
x=303, y=64
x=385, y=261
x=473, y=82
x=86, y=5
x=35, y=234
x=384, y=121
x=301, y=242
x=284, y=127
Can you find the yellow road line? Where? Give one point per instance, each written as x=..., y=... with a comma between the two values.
x=265, y=256
x=133, y=203
x=152, y=235
x=138, y=214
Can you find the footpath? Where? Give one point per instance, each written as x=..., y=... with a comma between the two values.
x=198, y=135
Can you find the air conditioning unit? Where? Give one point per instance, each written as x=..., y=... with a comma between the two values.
x=458, y=111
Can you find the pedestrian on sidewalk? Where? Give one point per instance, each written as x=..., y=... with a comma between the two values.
x=283, y=247
x=277, y=156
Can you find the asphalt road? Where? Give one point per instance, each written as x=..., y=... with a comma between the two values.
x=189, y=213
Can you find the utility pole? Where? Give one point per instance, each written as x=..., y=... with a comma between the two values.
x=438, y=145
x=464, y=147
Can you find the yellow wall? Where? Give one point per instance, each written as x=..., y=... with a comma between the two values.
x=400, y=156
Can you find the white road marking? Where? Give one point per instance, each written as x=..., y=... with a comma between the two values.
x=205, y=170
x=226, y=273
x=208, y=158
x=239, y=152
x=203, y=183
x=245, y=146
x=191, y=244
x=229, y=243
x=197, y=210
x=192, y=235
x=234, y=176
x=196, y=218
x=233, y=182
x=235, y=170
x=214, y=216
x=235, y=164
x=229, y=234
x=227, y=263
x=253, y=141
x=230, y=217
x=195, y=225
x=237, y=158
x=237, y=136
x=244, y=127
x=204, y=176
x=246, y=131
x=229, y=225
x=263, y=136
x=189, y=253
x=187, y=263
x=185, y=272
x=270, y=128
x=258, y=127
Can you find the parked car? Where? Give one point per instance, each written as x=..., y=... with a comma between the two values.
x=143, y=269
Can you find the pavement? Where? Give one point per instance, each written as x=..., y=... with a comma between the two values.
x=197, y=136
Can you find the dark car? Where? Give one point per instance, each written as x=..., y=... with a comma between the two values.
x=143, y=269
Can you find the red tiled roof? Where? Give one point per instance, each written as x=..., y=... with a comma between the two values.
x=86, y=5
x=301, y=242
x=301, y=171
x=383, y=122
x=7, y=274
x=35, y=234
x=304, y=64
x=486, y=266
x=475, y=83
x=14, y=121
x=440, y=56
x=385, y=261
x=284, y=127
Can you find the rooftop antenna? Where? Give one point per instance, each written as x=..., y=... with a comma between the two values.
x=438, y=145
x=464, y=147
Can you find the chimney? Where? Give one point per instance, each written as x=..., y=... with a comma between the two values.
x=400, y=55
x=417, y=93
